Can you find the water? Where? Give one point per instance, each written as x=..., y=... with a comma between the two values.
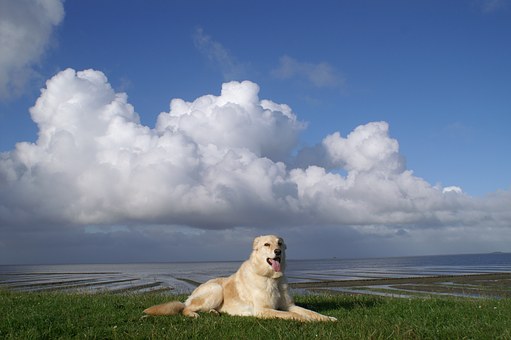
x=395, y=267
x=183, y=277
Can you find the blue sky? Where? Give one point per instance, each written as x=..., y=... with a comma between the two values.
x=428, y=81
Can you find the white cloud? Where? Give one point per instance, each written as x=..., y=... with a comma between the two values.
x=367, y=148
x=453, y=189
x=236, y=119
x=320, y=75
x=204, y=164
x=217, y=162
x=25, y=29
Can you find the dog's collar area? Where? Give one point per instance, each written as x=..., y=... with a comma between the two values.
x=274, y=263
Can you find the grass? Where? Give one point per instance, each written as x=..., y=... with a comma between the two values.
x=109, y=316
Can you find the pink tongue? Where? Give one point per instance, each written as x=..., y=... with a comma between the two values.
x=275, y=265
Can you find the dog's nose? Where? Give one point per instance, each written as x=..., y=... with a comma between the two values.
x=278, y=251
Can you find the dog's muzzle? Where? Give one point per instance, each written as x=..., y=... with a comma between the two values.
x=274, y=263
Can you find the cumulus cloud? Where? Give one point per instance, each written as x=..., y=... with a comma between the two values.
x=367, y=148
x=25, y=29
x=319, y=75
x=217, y=162
x=205, y=163
x=236, y=119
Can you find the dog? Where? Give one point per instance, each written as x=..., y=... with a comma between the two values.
x=259, y=288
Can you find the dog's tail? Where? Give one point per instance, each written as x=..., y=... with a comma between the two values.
x=169, y=308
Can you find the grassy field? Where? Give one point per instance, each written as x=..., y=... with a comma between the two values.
x=110, y=316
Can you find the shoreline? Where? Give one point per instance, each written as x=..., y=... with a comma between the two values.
x=484, y=275
x=485, y=285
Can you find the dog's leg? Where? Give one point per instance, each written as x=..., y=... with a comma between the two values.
x=206, y=298
x=169, y=308
x=289, y=305
x=268, y=313
x=310, y=315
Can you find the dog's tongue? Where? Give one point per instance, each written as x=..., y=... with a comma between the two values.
x=275, y=265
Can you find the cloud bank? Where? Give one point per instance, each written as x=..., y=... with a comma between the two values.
x=25, y=29
x=217, y=162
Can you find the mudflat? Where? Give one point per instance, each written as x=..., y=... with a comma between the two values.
x=492, y=285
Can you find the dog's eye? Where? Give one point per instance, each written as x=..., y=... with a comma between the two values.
x=280, y=243
x=266, y=244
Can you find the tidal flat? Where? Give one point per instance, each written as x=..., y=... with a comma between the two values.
x=470, y=275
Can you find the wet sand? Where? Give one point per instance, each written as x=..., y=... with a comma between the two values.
x=470, y=275
x=487, y=285
x=494, y=285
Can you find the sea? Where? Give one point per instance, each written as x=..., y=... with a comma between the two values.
x=183, y=277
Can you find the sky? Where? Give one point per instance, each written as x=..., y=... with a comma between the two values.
x=149, y=131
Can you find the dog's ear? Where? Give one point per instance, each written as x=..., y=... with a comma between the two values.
x=255, y=245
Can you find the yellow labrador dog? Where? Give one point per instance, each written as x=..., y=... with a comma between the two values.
x=259, y=288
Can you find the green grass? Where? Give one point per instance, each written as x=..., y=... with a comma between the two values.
x=109, y=316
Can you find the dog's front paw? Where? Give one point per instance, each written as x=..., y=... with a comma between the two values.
x=190, y=314
x=214, y=312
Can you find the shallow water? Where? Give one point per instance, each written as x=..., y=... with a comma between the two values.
x=183, y=277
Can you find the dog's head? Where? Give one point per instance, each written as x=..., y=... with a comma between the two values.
x=268, y=255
